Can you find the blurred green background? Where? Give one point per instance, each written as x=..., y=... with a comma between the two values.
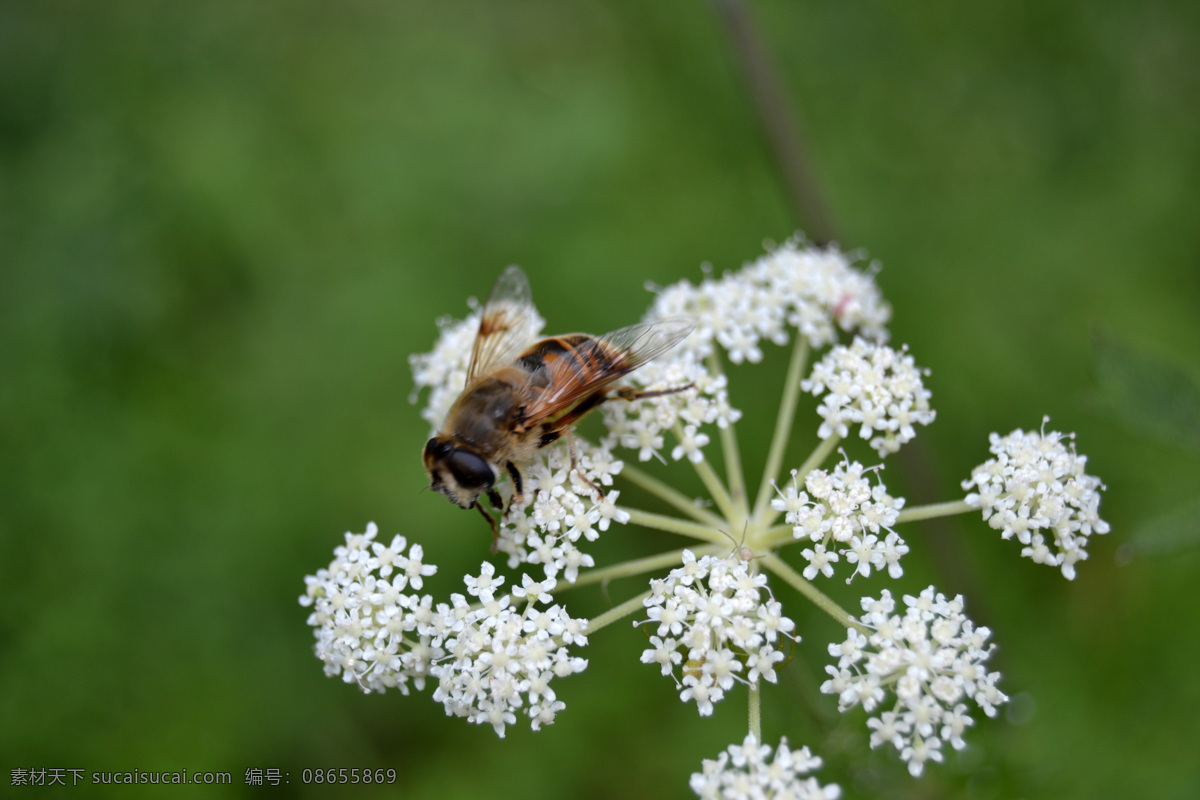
x=225, y=226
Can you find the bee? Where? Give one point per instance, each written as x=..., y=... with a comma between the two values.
x=520, y=398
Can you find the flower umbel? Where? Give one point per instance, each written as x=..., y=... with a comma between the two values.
x=502, y=655
x=365, y=621
x=1035, y=488
x=748, y=771
x=931, y=659
x=490, y=661
x=874, y=387
x=809, y=290
x=715, y=623
x=843, y=515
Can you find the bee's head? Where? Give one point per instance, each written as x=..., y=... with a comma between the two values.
x=457, y=471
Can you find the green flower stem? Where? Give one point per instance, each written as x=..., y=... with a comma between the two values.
x=733, y=469
x=733, y=454
x=640, y=566
x=934, y=510
x=671, y=495
x=617, y=613
x=756, y=711
x=818, y=456
x=683, y=527
x=783, y=425
x=715, y=488
x=774, y=538
x=797, y=581
x=766, y=515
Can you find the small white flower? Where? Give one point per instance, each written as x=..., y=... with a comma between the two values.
x=748, y=772
x=931, y=657
x=791, y=500
x=485, y=585
x=873, y=387
x=819, y=561
x=1038, y=490
x=690, y=444
x=718, y=622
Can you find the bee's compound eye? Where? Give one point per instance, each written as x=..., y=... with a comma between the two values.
x=470, y=470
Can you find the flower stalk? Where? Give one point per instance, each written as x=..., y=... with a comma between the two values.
x=935, y=510
x=818, y=598
x=618, y=612
x=783, y=427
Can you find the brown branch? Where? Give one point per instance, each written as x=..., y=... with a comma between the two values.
x=780, y=125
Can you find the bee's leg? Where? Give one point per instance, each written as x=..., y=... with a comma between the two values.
x=562, y=425
x=553, y=435
x=514, y=475
x=628, y=393
x=578, y=471
x=497, y=500
x=492, y=520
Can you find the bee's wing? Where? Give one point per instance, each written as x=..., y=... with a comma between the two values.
x=646, y=341
x=508, y=324
x=595, y=363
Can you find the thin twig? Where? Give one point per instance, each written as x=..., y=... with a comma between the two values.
x=780, y=124
x=671, y=495
x=615, y=613
x=683, y=527
x=783, y=425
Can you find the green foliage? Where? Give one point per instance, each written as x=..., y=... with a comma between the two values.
x=1148, y=394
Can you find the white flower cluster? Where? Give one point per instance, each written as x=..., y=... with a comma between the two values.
x=502, y=654
x=720, y=617
x=364, y=616
x=1037, y=486
x=874, y=387
x=747, y=772
x=812, y=290
x=844, y=515
x=489, y=661
x=641, y=425
x=559, y=509
x=932, y=657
